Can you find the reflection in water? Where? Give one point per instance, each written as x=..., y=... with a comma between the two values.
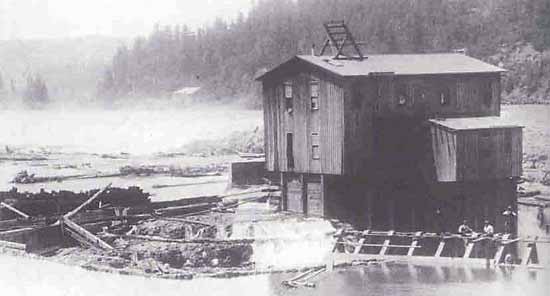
x=407, y=279
x=24, y=276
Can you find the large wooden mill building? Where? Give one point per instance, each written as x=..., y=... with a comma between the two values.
x=385, y=141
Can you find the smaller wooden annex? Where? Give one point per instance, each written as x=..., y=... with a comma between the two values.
x=387, y=141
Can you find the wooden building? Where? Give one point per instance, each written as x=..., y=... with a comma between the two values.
x=363, y=138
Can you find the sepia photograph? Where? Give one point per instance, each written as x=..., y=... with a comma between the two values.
x=274, y=147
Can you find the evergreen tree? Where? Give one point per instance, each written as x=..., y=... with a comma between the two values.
x=227, y=55
x=36, y=92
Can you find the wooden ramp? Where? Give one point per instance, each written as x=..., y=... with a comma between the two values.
x=83, y=236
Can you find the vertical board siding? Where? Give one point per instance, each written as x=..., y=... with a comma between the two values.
x=473, y=155
x=270, y=127
x=328, y=121
x=444, y=147
x=332, y=128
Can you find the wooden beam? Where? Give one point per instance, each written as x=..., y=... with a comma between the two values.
x=12, y=245
x=91, y=199
x=468, y=251
x=18, y=212
x=359, y=246
x=413, y=246
x=440, y=248
x=85, y=236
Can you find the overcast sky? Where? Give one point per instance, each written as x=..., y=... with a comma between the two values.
x=31, y=19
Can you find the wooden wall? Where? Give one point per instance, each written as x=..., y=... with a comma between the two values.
x=444, y=151
x=375, y=121
x=471, y=155
x=466, y=95
x=328, y=122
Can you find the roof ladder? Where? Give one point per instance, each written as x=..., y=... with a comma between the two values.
x=338, y=38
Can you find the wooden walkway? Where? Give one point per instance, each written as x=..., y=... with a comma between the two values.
x=432, y=248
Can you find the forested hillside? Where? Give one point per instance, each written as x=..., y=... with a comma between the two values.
x=224, y=57
x=56, y=71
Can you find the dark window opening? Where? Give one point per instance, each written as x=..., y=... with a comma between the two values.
x=315, y=147
x=315, y=152
x=314, y=91
x=289, y=151
x=401, y=92
x=488, y=95
x=314, y=103
x=445, y=96
x=288, y=97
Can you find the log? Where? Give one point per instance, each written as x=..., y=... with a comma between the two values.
x=157, y=186
x=12, y=245
x=71, y=213
x=85, y=236
x=14, y=210
x=182, y=241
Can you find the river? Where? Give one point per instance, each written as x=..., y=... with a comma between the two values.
x=25, y=276
x=142, y=133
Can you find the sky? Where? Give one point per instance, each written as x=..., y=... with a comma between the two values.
x=43, y=19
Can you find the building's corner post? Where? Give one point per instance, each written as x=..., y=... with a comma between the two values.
x=304, y=194
x=323, y=196
x=283, y=205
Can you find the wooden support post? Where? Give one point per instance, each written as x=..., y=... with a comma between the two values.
x=468, y=250
x=500, y=250
x=304, y=194
x=359, y=246
x=18, y=212
x=386, y=244
x=413, y=247
x=531, y=248
x=440, y=248
x=283, y=206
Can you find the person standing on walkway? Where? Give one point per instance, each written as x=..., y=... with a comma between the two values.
x=464, y=229
x=488, y=229
x=509, y=219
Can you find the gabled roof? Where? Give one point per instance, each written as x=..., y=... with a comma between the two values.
x=474, y=123
x=397, y=64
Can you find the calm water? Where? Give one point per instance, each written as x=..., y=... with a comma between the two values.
x=23, y=276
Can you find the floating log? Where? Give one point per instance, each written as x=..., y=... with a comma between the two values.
x=157, y=186
x=55, y=203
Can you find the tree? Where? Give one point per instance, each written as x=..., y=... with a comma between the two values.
x=36, y=92
x=541, y=36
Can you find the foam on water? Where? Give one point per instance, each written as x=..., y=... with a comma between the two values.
x=114, y=131
x=288, y=243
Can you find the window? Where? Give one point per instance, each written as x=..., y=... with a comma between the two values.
x=488, y=94
x=288, y=96
x=445, y=96
x=315, y=152
x=289, y=151
x=315, y=147
x=314, y=91
x=401, y=92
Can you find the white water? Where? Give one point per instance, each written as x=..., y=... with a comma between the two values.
x=287, y=243
x=114, y=131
